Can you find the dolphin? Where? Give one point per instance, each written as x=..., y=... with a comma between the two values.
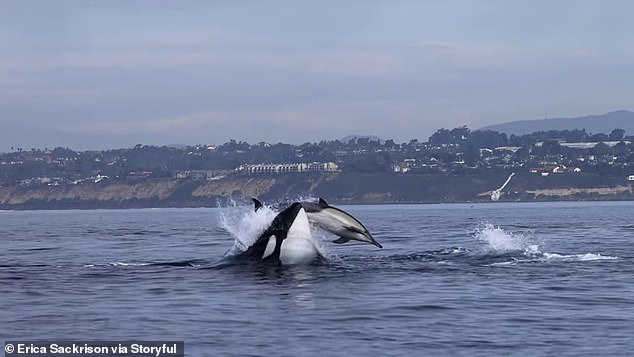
x=286, y=241
x=335, y=221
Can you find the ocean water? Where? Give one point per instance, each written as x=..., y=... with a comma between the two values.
x=511, y=279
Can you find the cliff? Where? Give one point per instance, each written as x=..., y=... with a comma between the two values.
x=337, y=188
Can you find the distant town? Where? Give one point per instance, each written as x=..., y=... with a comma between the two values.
x=455, y=151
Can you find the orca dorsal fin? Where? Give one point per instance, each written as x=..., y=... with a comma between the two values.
x=257, y=203
x=323, y=203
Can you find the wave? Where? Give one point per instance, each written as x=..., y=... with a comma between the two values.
x=497, y=241
x=578, y=257
x=496, y=247
x=123, y=264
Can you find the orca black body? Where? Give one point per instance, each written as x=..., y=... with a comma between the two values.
x=286, y=241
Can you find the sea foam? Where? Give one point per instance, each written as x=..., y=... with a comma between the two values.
x=497, y=240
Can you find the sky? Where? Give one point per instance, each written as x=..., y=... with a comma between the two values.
x=109, y=74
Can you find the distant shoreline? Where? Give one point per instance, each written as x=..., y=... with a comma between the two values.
x=383, y=188
x=79, y=208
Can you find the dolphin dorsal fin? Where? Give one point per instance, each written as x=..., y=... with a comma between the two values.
x=323, y=203
x=257, y=203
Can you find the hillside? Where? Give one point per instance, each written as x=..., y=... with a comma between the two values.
x=335, y=188
x=605, y=123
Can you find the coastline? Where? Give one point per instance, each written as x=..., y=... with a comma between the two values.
x=384, y=188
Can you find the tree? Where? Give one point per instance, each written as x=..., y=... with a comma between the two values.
x=599, y=137
x=453, y=136
x=617, y=134
x=600, y=149
x=487, y=139
x=471, y=155
x=548, y=147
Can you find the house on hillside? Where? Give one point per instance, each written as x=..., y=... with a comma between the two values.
x=566, y=169
x=560, y=169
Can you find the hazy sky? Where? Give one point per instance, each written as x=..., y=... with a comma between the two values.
x=97, y=74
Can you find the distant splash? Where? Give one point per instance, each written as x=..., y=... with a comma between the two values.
x=496, y=239
x=499, y=241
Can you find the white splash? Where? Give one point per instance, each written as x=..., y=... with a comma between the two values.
x=122, y=264
x=587, y=257
x=244, y=224
x=498, y=240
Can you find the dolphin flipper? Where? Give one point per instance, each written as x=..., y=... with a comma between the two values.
x=341, y=240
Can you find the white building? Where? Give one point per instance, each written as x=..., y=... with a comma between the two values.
x=200, y=175
x=260, y=169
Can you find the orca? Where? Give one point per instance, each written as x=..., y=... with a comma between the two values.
x=257, y=204
x=335, y=221
x=286, y=241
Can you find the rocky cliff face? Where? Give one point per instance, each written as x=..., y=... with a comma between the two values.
x=339, y=188
x=90, y=192
x=250, y=187
x=566, y=192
